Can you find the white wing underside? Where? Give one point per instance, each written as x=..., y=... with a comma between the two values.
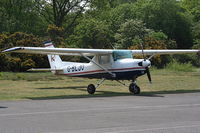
x=43, y=70
x=91, y=52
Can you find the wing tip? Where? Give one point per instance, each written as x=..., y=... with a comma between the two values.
x=11, y=49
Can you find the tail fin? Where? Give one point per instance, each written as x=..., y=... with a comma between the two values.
x=54, y=60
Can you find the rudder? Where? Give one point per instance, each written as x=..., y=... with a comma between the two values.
x=54, y=60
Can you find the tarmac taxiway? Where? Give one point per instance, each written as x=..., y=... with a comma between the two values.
x=166, y=113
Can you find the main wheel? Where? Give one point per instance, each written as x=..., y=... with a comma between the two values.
x=133, y=88
x=91, y=89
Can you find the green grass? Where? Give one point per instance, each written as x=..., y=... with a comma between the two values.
x=18, y=86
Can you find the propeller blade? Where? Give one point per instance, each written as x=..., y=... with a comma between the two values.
x=148, y=74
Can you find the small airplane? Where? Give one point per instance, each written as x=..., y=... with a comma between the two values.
x=107, y=64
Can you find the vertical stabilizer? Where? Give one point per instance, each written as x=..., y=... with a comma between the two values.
x=54, y=60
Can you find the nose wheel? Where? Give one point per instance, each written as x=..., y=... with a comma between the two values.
x=134, y=88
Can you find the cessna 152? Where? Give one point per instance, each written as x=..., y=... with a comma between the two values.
x=105, y=64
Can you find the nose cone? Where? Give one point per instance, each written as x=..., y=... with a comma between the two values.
x=146, y=63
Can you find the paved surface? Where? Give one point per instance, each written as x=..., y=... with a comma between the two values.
x=175, y=113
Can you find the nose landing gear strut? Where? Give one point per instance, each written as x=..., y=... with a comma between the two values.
x=133, y=87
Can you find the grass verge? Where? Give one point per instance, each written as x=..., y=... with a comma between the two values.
x=18, y=86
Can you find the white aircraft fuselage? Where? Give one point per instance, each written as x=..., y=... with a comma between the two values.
x=123, y=69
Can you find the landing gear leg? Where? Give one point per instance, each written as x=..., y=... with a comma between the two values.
x=134, y=88
x=92, y=88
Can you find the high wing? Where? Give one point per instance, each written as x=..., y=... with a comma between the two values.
x=91, y=52
x=165, y=51
x=59, y=51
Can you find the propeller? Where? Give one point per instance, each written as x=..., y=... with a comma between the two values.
x=148, y=74
x=147, y=63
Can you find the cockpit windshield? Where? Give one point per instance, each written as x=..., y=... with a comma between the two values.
x=122, y=54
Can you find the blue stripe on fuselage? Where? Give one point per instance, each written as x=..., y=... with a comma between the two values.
x=127, y=75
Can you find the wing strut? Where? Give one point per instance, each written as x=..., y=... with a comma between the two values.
x=112, y=74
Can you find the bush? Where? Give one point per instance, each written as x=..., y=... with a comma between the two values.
x=56, y=34
x=20, y=62
x=1, y=75
x=156, y=40
x=176, y=66
x=27, y=64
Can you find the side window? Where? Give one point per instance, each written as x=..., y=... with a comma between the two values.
x=104, y=59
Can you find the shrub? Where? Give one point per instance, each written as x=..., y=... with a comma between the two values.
x=27, y=64
x=176, y=66
x=20, y=62
x=56, y=34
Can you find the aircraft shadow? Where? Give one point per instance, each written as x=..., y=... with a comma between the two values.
x=69, y=87
x=1, y=107
x=112, y=94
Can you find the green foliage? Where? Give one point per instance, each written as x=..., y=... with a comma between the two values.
x=196, y=31
x=156, y=40
x=159, y=15
x=23, y=39
x=91, y=33
x=20, y=15
x=105, y=4
x=56, y=34
x=194, y=58
x=120, y=15
x=130, y=32
x=193, y=6
x=29, y=63
x=164, y=41
x=167, y=16
x=98, y=24
x=3, y=41
x=20, y=62
x=176, y=66
x=14, y=63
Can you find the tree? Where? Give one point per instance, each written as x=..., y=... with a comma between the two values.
x=129, y=32
x=91, y=33
x=196, y=31
x=59, y=11
x=20, y=15
x=156, y=40
x=120, y=15
x=56, y=34
x=103, y=4
x=193, y=6
x=167, y=16
x=133, y=33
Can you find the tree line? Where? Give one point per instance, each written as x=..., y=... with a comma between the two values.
x=121, y=24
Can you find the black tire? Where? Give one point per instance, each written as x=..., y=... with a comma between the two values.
x=133, y=88
x=91, y=89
